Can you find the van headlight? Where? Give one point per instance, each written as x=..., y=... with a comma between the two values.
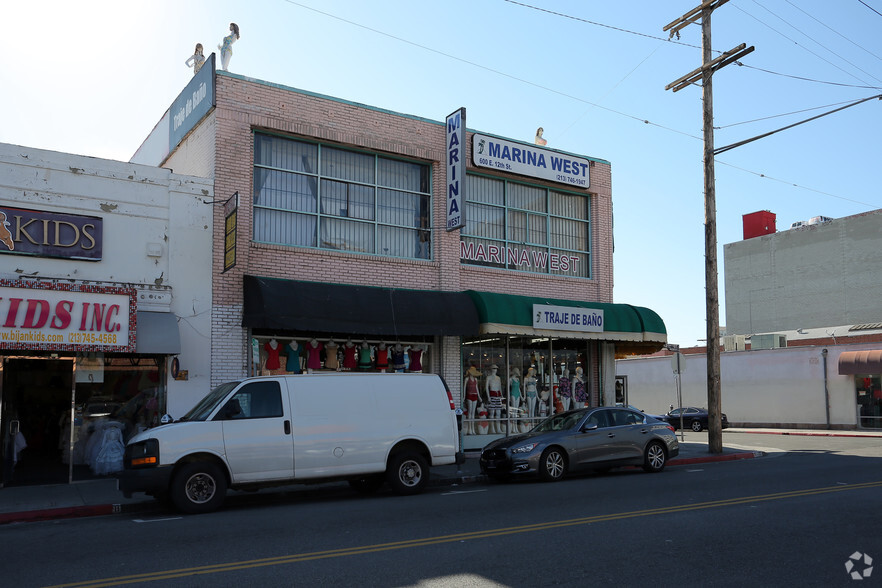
x=524, y=448
x=144, y=454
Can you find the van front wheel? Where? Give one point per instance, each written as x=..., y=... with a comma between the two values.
x=198, y=487
x=408, y=473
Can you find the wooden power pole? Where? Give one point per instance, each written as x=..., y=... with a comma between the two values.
x=708, y=67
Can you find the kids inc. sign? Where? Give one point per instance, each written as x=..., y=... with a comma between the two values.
x=71, y=317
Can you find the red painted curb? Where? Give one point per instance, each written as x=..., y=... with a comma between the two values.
x=49, y=514
x=713, y=458
x=813, y=434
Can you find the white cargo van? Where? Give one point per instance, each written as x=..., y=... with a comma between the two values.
x=265, y=431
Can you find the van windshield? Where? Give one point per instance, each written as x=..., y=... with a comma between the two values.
x=205, y=406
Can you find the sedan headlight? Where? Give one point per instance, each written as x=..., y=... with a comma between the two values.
x=524, y=448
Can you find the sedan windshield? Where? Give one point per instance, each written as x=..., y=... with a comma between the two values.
x=560, y=422
x=205, y=406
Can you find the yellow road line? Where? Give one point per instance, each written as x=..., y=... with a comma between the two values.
x=470, y=536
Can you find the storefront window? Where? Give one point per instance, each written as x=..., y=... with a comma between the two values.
x=311, y=195
x=276, y=356
x=869, y=400
x=528, y=228
x=114, y=398
x=538, y=377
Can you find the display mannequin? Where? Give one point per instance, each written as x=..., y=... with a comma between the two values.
x=382, y=357
x=544, y=395
x=470, y=386
x=332, y=362
x=416, y=359
x=530, y=391
x=564, y=390
x=398, y=358
x=313, y=356
x=493, y=388
x=365, y=357
x=293, y=364
x=514, y=389
x=196, y=60
x=349, y=352
x=226, y=49
x=579, y=395
x=272, y=354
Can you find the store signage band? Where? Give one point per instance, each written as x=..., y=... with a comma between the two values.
x=456, y=164
x=567, y=318
x=44, y=233
x=68, y=317
x=530, y=160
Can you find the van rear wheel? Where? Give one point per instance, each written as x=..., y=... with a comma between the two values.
x=198, y=487
x=408, y=473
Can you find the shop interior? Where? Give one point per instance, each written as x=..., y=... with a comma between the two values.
x=67, y=419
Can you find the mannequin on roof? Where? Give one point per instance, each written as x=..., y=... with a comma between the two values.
x=196, y=60
x=226, y=49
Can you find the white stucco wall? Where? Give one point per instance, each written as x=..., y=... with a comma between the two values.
x=766, y=387
x=141, y=207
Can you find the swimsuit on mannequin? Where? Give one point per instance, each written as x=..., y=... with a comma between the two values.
x=365, y=357
x=470, y=385
x=494, y=397
x=293, y=363
x=530, y=391
x=349, y=351
x=580, y=397
x=416, y=354
x=272, y=359
x=514, y=388
x=564, y=390
x=382, y=357
x=398, y=357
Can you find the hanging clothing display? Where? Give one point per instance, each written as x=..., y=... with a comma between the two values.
x=332, y=362
x=272, y=355
x=293, y=363
x=416, y=355
x=313, y=355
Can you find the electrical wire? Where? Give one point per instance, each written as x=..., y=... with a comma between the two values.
x=870, y=7
x=822, y=23
x=780, y=115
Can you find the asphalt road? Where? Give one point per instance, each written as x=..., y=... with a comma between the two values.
x=793, y=518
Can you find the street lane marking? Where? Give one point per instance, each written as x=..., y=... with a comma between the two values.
x=469, y=536
x=156, y=520
x=462, y=492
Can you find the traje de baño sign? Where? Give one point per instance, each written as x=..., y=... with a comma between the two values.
x=530, y=160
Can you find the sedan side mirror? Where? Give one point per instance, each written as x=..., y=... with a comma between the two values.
x=592, y=427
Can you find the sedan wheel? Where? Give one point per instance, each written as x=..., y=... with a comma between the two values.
x=696, y=426
x=552, y=465
x=655, y=458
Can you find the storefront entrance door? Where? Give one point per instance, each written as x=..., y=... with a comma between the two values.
x=36, y=396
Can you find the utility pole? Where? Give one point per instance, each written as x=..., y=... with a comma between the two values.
x=708, y=67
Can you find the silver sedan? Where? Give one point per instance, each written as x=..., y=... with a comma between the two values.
x=581, y=440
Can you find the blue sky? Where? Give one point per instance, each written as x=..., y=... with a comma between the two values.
x=93, y=78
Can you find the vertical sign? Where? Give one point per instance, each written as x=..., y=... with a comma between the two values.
x=456, y=130
x=231, y=207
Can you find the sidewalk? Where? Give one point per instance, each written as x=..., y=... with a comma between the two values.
x=101, y=497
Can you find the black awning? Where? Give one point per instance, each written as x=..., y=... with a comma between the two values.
x=276, y=304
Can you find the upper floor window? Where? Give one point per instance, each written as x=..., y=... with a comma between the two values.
x=525, y=227
x=312, y=195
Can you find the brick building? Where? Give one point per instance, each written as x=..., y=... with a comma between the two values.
x=331, y=230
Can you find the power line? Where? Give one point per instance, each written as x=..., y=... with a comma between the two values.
x=539, y=86
x=870, y=7
x=780, y=115
x=822, y=23
x=816, y=41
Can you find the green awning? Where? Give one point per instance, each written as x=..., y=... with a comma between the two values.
x=513, y=315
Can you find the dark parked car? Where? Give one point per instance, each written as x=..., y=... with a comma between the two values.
x=694, y=418
x=580, y=440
